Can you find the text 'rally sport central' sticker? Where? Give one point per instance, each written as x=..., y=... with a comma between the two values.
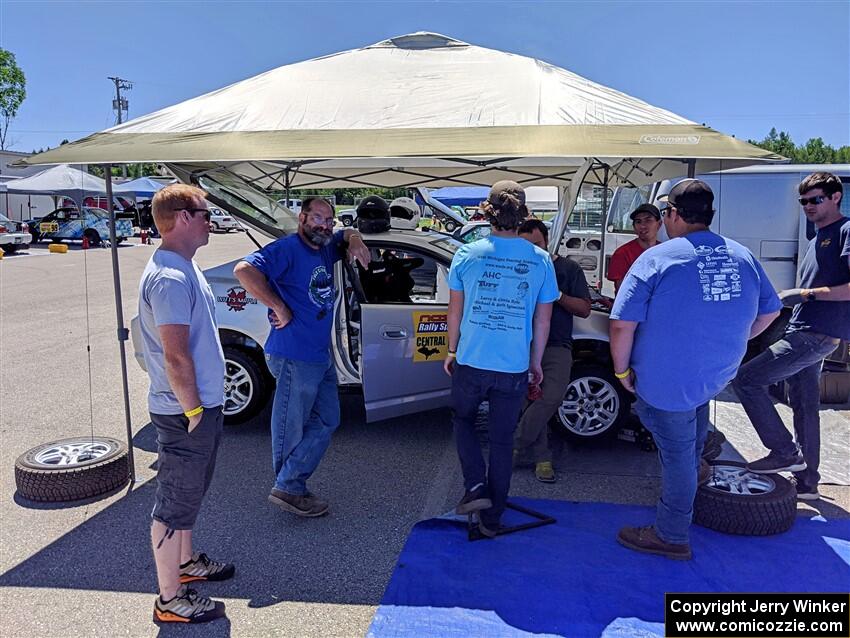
x=432, y=336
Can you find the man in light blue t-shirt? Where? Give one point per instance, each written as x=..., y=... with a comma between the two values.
x=679, y=329
x=500, y=305
x=185, y=363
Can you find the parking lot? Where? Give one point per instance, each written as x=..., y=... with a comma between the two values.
x=86, y=569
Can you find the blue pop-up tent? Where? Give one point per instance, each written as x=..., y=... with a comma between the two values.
x=143, y=187
x=461, y=195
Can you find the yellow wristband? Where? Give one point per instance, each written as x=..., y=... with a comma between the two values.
x=193, y=412
x=622, y=375
x=451, y=354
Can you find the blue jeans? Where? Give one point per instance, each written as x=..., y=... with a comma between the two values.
x=304, y=415
x=797, y=357
x=679, y=437
x=505, y=392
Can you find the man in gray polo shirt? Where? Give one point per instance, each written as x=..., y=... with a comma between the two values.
x=185, y=362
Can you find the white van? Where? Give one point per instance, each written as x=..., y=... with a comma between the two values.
x=292, y=204
x=755, y=206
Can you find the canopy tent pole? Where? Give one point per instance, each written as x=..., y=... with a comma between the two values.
x=567, y=203
x=123, y=333
x=603, y=228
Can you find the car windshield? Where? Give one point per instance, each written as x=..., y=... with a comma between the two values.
x=4, y=219
x=96, y=212
x=449, y=244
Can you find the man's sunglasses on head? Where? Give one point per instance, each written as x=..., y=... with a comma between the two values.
x=192, y=211
x=815, y=201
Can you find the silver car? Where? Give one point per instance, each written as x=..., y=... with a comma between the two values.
x=390, y=331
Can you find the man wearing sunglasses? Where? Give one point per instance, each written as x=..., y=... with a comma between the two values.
x=185, y=362
x=293, y=277
x=679, y=329
x=821, y=317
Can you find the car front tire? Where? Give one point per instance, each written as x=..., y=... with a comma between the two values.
x=246, y=388
x=595, y=405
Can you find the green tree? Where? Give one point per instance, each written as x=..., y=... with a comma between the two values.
x=12, y=92
x=815, y=151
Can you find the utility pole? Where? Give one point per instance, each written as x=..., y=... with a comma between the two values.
x=120, y=105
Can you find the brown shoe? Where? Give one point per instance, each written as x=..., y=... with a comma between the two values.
x=308, y=505
x=704, y=472
x=644, y=539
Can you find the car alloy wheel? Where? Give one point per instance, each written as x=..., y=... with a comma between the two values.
x=245, y=385
x=594, y=405
x=72, y=469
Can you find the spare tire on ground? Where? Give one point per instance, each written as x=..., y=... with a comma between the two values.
x=72, y=469
x=737, y=501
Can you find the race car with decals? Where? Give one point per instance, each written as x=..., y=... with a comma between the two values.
x=69, y=223
x=390, y=334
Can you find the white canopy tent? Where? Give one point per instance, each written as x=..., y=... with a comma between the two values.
x=59, y=181
x=417, y=110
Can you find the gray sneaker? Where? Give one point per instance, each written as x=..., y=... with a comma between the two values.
x=308, y=505
x=773, y=464
x=187, y=607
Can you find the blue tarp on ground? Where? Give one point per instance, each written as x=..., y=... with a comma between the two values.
x=573, y=578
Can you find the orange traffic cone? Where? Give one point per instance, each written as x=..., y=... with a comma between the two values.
x=85, y=242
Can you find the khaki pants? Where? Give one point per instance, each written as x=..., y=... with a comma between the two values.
x=532, y=433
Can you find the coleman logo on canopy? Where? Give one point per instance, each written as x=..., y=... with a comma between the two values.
x=669, y=139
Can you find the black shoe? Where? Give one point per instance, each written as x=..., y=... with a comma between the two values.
x=474, y=500
x=773, y=464
x=490, y=530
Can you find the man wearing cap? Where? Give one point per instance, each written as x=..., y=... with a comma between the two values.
x=646, y=220
x=293, y=277
x=679, y=329
x=501, y=293
x=820, y=319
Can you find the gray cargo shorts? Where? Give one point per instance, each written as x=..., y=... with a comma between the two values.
x=186, y=464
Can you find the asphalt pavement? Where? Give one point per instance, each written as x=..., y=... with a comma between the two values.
x=86, y=569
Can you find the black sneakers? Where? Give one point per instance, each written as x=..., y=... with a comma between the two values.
x=187, y=607
x=202, y=567
x=773, y=464
x=474, y=500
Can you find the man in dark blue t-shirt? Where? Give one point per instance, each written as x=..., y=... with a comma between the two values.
x=820, y=320
x=679, y=329
x=293, y=276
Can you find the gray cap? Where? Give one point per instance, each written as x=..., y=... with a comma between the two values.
x=505, y=187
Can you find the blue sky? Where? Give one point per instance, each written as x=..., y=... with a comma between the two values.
x=739, y=67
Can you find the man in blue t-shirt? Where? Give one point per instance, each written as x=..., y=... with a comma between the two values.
x=293, y=276
x=500, y=304
x=679, y=329
x=821, y=318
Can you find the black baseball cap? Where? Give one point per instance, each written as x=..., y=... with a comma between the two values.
x=692, y=195
x=373, y=203
x=646, y=208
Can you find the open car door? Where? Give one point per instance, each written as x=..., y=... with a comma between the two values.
x=404, y=333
